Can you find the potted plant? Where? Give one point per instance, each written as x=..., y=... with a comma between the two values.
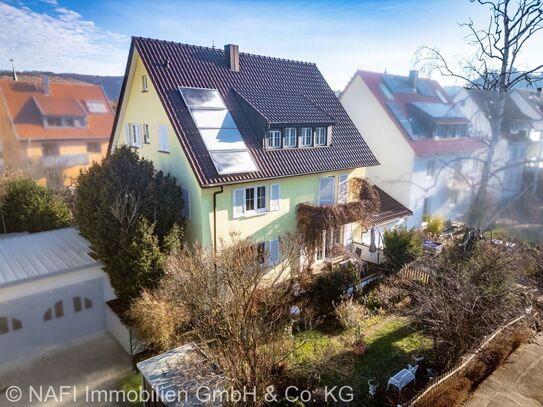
x=359, y=343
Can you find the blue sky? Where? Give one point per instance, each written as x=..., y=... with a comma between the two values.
x=93, y=36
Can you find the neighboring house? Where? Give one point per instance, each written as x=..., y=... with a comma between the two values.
x=511, y=151
x=51, y=128
x=530, y=102
x=247, y=137
x=51, y=291
x=420, y=139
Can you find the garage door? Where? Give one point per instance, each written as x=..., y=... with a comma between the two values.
x=49, y=318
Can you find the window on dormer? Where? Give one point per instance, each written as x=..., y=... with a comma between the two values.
x=320, y=136
x=307, y=136
x=274, y=139
x=290, y=137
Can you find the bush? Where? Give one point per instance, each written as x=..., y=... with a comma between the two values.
x=435, y=225
x=159, y=319
x=327, y=288
x=401, y=246
x=28, y=207
x=384, y=296
x=349, y=313
x=132, y=215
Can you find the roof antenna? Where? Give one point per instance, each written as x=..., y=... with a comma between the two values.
x=213, y=44
x=385, y=70
x=13, y=73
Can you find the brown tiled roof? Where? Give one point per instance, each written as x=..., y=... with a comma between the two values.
x=423, y=146
x=64, y=99
x=390, y=209
x=285, y=107
x=171, y=65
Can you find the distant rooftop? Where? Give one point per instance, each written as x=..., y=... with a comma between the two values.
x=423, y=111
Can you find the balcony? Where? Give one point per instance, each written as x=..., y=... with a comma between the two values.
x=64, y=161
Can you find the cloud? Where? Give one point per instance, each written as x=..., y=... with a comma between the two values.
x=60, y=40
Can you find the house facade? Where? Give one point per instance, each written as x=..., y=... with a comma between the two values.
x=512, y=148
x=52, y=128
x=421, y=140
x=247, y=137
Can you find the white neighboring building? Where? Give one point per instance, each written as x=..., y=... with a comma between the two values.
x=51, y=291
x=420, y=139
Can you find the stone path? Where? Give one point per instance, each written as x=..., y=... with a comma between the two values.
x=518, y=382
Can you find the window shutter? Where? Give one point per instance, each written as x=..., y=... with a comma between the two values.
x=139, y=141
x=275, y=197
x=163, y=138
x=348, y=235
x=127, y=134
x=274, y=251
x=238, y=198
x=343, y=188
x=329, y=136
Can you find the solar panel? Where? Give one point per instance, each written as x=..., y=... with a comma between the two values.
x=205, y=98
x=213, y=119
x=400, y=116
x=222, y=139
x=424, y=88
x=218, y=130
x=398, y=84
x=232, y=162
x=386, y=92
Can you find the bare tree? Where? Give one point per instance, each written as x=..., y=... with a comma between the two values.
x=493, y=68
x=237, y=303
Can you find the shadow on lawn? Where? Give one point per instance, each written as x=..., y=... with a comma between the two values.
x=386, y=354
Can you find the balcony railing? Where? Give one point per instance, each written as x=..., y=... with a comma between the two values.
x=62, y=161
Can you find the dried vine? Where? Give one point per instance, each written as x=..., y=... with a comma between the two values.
x=312, y=220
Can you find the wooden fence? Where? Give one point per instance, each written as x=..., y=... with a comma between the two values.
x=417, y=273
x=438, y=384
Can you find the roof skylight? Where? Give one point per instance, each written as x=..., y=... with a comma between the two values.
x=218, y=130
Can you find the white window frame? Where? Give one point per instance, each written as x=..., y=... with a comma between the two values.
x=290, y=136
x=320, y=136
x=135, y=134
x=333, y=178
x=240, y=210
x=307, y=136
x=274, y=138
x=144, y=84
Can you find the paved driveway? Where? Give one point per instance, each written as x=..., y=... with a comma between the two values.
x=96, y=362
x=517, y=383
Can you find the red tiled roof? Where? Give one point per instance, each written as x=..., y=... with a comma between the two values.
x=426, y=146
x=390, y=209
x=24, y=99
x=171, y=65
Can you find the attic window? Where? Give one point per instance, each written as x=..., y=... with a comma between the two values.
x=96, y=106
x=388, y=94
x=274, y=139
x=320, y=136
x=144, y=87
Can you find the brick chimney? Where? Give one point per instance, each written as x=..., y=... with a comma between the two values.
x=231, y=53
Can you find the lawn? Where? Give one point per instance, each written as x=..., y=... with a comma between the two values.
x=325, y=355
